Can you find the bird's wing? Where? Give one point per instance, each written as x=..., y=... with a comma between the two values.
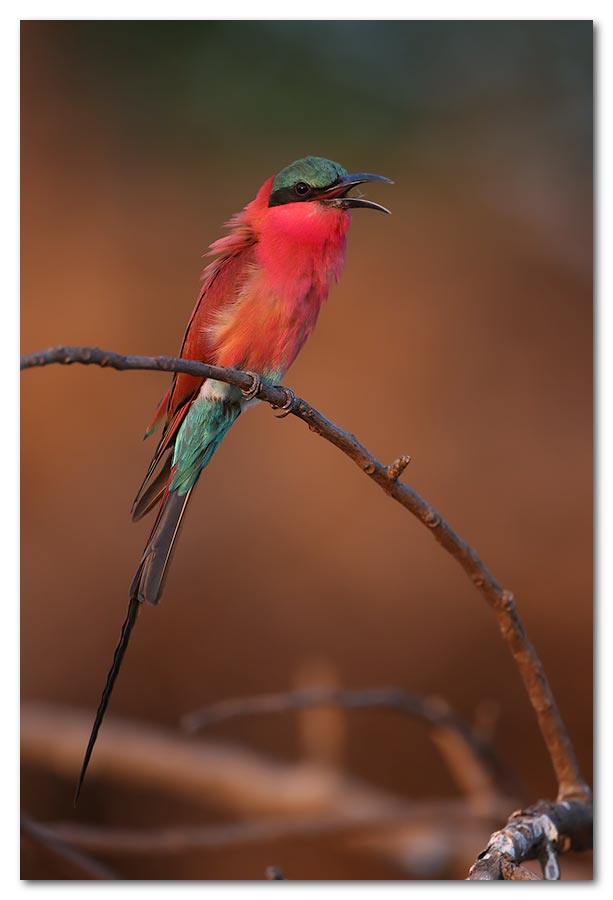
x=222, y=281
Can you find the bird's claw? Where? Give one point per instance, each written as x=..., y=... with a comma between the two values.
x=251, y=392
x=288, y=406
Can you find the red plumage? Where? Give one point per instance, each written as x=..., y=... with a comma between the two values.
x=259, y=302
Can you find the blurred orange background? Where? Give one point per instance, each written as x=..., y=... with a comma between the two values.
x=461, y=333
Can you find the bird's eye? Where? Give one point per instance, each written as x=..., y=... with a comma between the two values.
x=301, y=189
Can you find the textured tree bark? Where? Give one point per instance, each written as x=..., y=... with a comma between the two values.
x=539, y=832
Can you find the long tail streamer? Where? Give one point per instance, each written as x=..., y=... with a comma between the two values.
x=126, y=631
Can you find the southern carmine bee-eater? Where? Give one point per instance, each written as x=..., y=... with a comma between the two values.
x=260, y=299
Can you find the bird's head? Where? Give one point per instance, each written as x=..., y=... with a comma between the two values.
x=321, y=181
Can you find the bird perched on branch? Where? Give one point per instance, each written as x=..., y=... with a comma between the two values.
x=260, y=299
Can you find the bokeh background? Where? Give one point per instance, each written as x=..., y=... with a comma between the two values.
x=473, y=301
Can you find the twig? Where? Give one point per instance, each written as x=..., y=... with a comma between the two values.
x=571, y=784
x=539, y=832
x=434, y=712
x=179, y=839
x=211, y=775
x=48, y=837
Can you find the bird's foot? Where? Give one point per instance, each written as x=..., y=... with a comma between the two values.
x=288, y=406
x=251, y=392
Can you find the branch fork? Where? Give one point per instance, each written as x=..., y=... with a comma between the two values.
x=539, y=832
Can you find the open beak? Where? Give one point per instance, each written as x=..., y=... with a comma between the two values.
x=337, y=194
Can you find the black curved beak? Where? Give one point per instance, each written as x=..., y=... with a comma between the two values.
x=337, y=194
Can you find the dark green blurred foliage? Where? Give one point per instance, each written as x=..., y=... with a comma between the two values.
x=239, y=87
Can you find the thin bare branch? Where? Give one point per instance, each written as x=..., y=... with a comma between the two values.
x=539, y=832
x=476, y=753
x=571, y=784
x=80, y=863
x=180, y=839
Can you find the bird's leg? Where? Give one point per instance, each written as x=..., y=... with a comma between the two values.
x=251, y=392
x=288, y=406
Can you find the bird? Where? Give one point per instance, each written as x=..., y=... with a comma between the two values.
x=259, y=301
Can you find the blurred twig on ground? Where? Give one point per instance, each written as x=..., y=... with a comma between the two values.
x=79, y=863
x=270, y=800
x=480, y=768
